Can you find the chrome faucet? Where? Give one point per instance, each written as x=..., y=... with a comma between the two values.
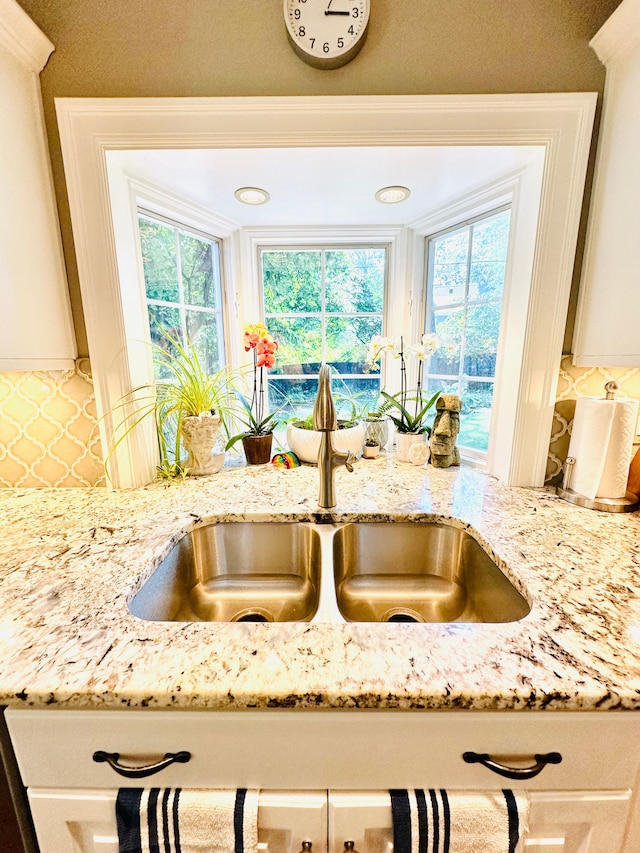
x=329, y=457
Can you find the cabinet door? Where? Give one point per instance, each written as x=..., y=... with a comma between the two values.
x=559, y=822
x=73, y=821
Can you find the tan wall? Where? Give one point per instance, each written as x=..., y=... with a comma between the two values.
x=123, y=48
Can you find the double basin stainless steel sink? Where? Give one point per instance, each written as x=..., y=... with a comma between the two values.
x=365, y=571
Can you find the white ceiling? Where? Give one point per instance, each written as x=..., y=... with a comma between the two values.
x=323, y=186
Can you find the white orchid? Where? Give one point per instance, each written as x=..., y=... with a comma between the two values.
x=426, y=348
x=378, y=345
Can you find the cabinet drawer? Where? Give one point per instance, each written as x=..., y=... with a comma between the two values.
x=325, y=749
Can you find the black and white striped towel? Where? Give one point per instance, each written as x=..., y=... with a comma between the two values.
x=457, y=822
x=177, y=820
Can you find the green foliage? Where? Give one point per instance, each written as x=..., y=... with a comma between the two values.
x=253, y=426
x=188, y=389
x=352, y=281
x=401, y=416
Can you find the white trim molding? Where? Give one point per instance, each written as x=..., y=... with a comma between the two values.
x=22, y=37
x=561, y=123
x=619, y=34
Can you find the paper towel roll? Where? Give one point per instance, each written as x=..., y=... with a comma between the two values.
x=601, y=442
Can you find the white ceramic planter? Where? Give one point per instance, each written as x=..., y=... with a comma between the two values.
x=305, y=443
x=199, y=435
x=404, y=441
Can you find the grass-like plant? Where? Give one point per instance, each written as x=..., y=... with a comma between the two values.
x=186, y=389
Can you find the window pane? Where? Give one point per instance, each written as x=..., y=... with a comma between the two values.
x=295, y=395
x=450, y=268
x=475, y=417
x=355, y=280
x=489, y=257
x=355, y=397
x=299, y=344
x=481, y=345
x=158, y=246
x=204, y=333
x=348, y=339
x=196, y=257
x=163, y=318
x=448, y=326
x=291, y=281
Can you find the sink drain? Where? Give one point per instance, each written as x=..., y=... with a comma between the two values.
x=253, y=616
x=396, y=615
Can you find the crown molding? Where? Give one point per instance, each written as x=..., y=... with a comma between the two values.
x=22, y=37
x=619, y=34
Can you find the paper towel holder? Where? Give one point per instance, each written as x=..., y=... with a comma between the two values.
x=629, y=503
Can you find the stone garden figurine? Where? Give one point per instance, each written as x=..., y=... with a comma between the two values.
x=446, y=427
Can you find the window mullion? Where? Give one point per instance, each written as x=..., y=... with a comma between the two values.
x=181, y=299
x=323, y=303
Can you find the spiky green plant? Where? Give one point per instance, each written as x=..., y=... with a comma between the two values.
x=188, y=389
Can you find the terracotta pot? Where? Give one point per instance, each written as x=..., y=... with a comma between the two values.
x=404, y=440
x=257, y=448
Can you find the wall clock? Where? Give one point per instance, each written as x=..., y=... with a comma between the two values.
x=326, y=33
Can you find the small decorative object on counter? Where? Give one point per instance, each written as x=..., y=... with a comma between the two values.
x=446, y=427
x=200, y=439
x=419, y=453
x=371, y=449
x=288, y=459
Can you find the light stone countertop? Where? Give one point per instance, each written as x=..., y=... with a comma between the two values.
x=70, y=559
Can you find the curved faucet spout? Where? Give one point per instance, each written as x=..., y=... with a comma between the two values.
x=324, y=410
x=329, y=457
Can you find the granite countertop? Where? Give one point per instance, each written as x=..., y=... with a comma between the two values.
x=70, y=560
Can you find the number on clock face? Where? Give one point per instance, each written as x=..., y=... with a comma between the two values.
x=326, y=29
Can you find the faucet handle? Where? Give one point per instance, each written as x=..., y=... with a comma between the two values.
x=351, y=458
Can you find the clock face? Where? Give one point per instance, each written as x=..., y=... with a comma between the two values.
x=327, y=33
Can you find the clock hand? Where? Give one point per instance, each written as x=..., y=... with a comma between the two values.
x=330, y=11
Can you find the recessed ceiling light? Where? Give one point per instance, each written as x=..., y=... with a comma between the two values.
x=252, y=195
x=392, y=195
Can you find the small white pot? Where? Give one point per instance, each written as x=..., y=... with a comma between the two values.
x=305, y=443
x=371, y=452
x=404, y=440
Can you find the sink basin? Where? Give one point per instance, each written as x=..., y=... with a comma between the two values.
x=244, y=572
x=417, y=572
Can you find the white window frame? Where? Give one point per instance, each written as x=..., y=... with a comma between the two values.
x=468, y=454
x=323, y=313
x=181, y=305
x=561, y=123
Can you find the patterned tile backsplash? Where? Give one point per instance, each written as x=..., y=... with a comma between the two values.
x=49, y=436
x=577, y=382
x=48, y=429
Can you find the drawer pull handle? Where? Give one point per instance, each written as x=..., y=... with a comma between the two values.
x=113, y=759
x=513, y=772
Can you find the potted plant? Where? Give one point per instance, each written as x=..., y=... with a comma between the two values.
x=188, y=404
x=371, y=449
x=406, y=409
x=257, y=438
x=304, y=440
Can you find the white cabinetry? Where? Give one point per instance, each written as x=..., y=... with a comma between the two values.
x=607, y=329
x=302, y=760
x=36, y=329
